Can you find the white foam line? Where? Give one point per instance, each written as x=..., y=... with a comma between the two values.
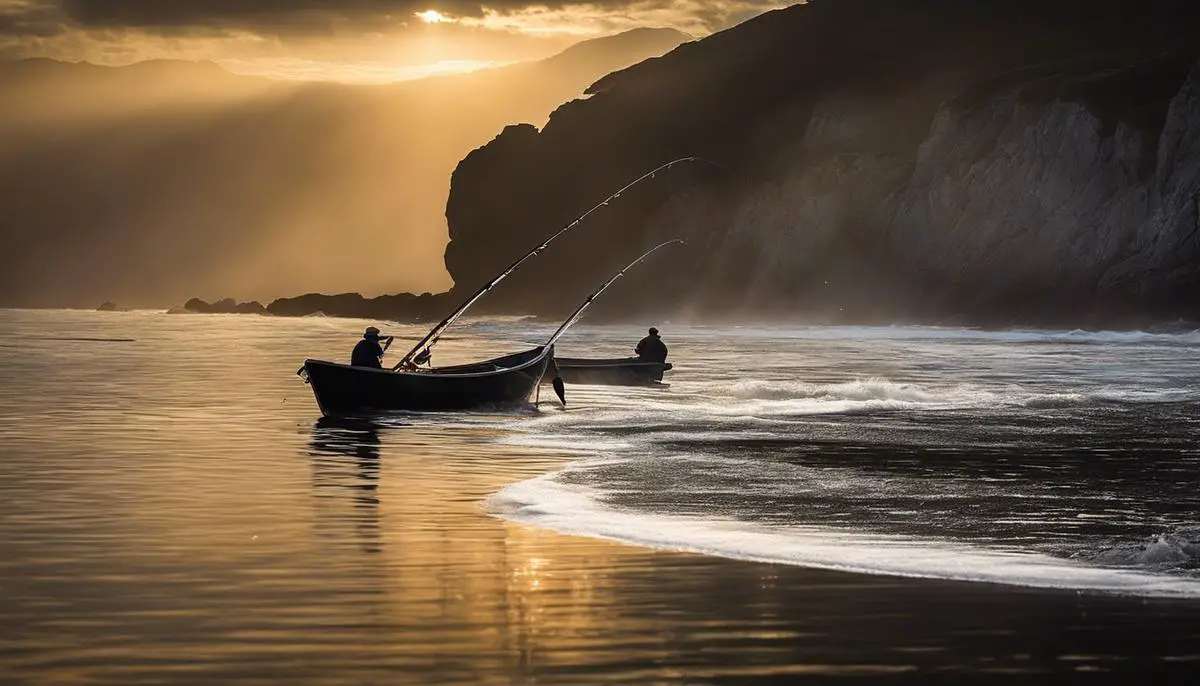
x=577, y=510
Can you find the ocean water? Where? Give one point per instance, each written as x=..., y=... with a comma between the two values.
x=886, y=504
x=1050, y=459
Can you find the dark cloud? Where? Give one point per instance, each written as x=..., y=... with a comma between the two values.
x=276, y=17
x=33, y=18
x=268, y=13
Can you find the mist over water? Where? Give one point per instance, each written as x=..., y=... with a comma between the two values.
x=151, y=184
x=173, y=509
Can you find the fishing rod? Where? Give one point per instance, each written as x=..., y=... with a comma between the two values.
x=575, y=316
x=559, y=388
x=420, y=353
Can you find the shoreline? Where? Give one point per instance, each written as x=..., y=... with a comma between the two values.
x=1150, y=326
x=900, y=626
x=670, y=534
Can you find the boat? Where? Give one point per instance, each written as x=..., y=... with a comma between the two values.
x=502, y=382
x=619, y=371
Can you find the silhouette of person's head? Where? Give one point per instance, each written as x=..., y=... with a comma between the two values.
x=371, y=334
x=653, y=331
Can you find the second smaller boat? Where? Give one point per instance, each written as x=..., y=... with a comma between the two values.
x=619, y=371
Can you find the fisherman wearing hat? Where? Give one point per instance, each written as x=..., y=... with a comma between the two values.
x=368, y=352
x=651, y=348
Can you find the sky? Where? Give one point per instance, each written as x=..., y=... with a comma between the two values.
x=340, y=40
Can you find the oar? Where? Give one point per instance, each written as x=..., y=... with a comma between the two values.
x=559, y=389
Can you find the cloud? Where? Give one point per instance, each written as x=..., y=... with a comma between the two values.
x=697, y=17
x=34, y=18
x=333, y=15
x=362, y=36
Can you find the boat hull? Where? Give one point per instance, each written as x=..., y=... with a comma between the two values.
x=625, y=371
x=342, y=390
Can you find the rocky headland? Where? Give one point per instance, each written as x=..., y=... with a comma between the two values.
x=893, y=160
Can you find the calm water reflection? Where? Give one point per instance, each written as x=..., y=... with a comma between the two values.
x=172, y=512
x=346, y=468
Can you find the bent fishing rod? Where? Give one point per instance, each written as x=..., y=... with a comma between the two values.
x=559, y=389
x=575, y=316
x=420, y=353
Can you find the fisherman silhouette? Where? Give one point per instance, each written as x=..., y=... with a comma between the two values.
x=368, y=352
x=651, y=348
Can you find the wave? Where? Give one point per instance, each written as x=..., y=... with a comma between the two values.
x=1181, y=336
x=1168, y=551
x=762, y=409
x=873, y=388
x=579, y=510
x=946, y=396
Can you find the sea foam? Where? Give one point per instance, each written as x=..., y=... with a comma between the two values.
x=579, y=510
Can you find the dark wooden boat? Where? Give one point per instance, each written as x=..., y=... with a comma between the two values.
x=621, y=371
x=503, y=382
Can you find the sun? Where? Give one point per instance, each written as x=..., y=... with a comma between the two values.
x=431, y=17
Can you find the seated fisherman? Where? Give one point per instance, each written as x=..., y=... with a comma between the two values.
x=651, y=348
x=368, y=352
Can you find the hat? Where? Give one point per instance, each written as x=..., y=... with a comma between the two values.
x=371, y=332
x=653, y=331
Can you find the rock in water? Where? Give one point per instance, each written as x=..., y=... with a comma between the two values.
x=223, y=306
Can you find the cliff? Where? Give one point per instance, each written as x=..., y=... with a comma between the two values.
x=927, y=160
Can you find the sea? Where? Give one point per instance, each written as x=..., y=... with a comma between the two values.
x=798, y=504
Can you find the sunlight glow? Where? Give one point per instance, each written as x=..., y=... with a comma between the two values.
x=431, y=17
x=294, y=69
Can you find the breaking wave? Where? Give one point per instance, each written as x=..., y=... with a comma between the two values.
x=1169, y=551
x=580, y=510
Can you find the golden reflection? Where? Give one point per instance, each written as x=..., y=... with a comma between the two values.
x=447, y=561
x=345, y=457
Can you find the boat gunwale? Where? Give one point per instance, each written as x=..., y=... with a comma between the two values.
x=609, y=362
x=425, y=374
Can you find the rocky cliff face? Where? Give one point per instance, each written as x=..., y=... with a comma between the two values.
x=1024, y=162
